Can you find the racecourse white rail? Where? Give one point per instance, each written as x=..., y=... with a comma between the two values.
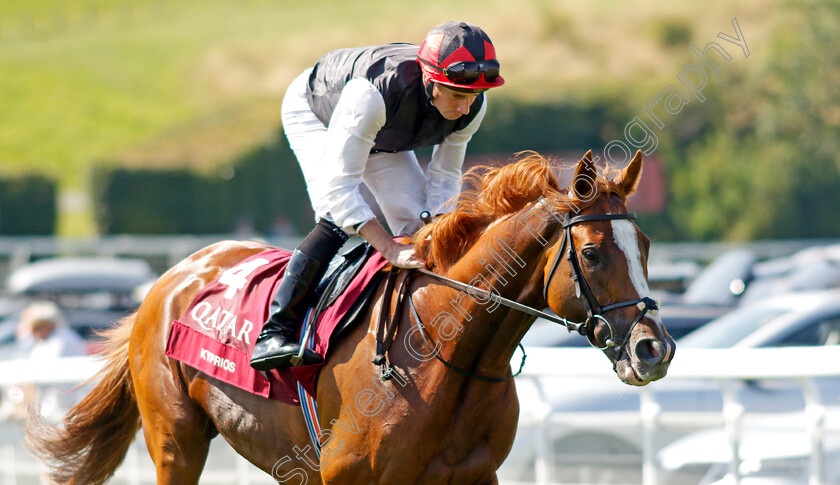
x=722, y=365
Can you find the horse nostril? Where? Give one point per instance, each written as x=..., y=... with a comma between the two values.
x=650, y=351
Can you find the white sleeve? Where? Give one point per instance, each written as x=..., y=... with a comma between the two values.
x=357, y=118
x=443, y=177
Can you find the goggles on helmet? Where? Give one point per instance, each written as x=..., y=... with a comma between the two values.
x=468, y=72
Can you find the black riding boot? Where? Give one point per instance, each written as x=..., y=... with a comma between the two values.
x=277, y=343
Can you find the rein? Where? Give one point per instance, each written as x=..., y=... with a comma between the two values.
x=488, y=295
x=595, y=311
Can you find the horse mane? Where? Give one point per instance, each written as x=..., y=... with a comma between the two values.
x=496, y=192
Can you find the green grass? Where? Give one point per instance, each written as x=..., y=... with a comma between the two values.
x=193, y=83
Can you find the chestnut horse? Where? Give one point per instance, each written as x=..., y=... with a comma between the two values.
x=429, y=423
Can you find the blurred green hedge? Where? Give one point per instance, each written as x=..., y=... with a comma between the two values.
x=254, y=191
x=265, y=184
x=27, y=205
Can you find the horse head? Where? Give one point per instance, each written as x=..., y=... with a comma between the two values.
x=575, y=250
x=596, y=272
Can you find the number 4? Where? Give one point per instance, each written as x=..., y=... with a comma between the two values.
x=237, y=277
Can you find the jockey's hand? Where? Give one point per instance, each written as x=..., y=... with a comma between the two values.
x=406, y=257
x=400, y=255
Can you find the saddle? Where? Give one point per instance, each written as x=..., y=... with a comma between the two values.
x=340, y=273
x=217, y=332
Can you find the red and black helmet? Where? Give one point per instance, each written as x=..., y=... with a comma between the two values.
x=460, y=55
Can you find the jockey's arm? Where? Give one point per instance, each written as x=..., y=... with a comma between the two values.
x=358, y=117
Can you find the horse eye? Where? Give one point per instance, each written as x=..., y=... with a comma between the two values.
x=590, y=255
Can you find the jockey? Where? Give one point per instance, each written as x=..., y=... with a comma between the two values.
x=356, y=117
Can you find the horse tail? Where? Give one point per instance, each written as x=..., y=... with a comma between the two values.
x=94, y=436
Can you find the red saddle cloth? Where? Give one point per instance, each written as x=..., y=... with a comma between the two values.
x=219, y=329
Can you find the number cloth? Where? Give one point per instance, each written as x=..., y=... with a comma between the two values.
x=219, y=329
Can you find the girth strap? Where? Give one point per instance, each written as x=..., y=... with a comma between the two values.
x=388, y=321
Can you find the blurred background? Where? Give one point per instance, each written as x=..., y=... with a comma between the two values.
x=135, y=132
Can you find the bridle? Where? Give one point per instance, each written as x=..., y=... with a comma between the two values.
x=595, y=312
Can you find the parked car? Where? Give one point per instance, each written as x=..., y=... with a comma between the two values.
x=737, y=277
x=809, y=269
x=722, y=281
x=672, y=276
x=771, y=452
x=715, y=291
x=792, y=319
x=92, y=293
x=802, y=318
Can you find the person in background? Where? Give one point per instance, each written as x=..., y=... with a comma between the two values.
x=42, y=337
x=356, y=117
x=43, y=333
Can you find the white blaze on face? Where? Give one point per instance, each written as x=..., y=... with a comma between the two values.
x=625, y=237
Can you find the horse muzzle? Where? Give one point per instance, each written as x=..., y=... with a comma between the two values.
x=646, y=358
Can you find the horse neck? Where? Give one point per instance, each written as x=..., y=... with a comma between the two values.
x=505, y=260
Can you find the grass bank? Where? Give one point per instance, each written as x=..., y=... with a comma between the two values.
x=195, y=83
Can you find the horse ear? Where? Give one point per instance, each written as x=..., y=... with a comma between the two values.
x=583, y=185
x=632, y=174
